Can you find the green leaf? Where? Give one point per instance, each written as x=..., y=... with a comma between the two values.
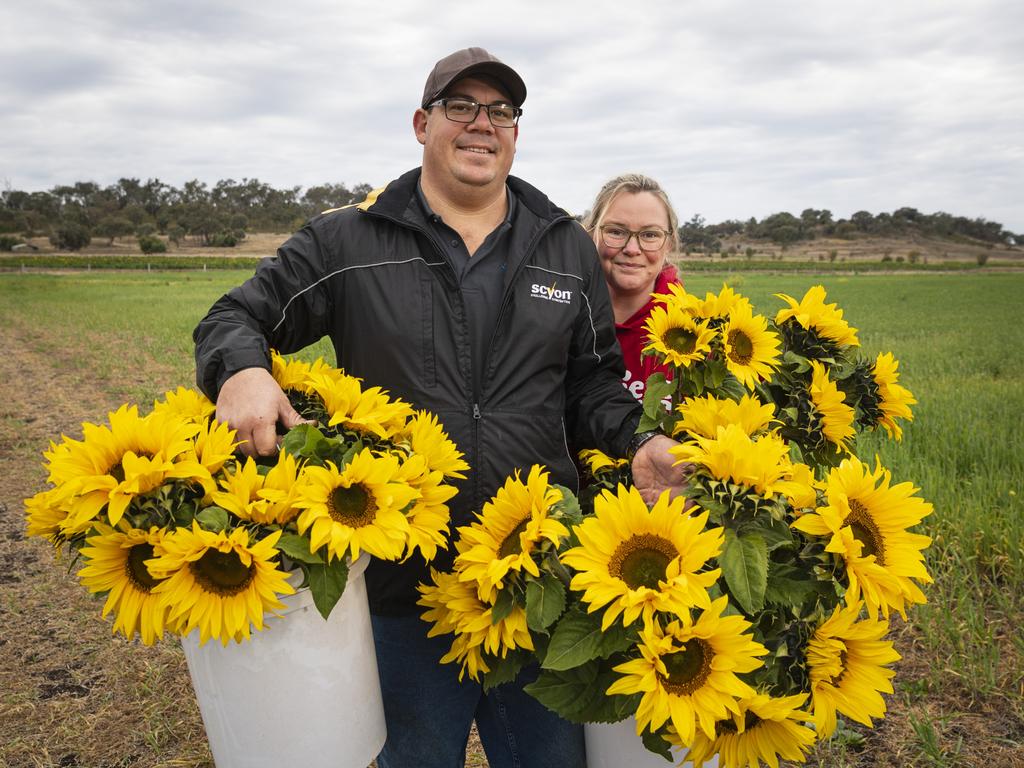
x=568, y=506
x=653, y=742
x=775, y=533
x=302, y=441
x=744, y=562
x=654, y=410
x=576, y=640
x=213, y=519
x=617, y=638
x=716, y=373
x=326, y=585
x=545, y=601
x=610, y=709
x=788, y=585
x=297, y=548
x=505, y=670
x=569, y=692
x=502, y=605
x=800, y=362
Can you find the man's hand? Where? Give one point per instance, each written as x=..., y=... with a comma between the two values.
x=655, y=471
x=253, y=404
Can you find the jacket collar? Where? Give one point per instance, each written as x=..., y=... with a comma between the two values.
x=395, y=199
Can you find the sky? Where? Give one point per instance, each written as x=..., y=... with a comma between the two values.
x=739, y=109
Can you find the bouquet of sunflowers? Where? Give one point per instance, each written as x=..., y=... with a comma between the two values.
x=743, y=618
x=180, y=533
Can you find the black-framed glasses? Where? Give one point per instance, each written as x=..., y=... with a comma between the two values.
x=462, y=110
x=650, y=239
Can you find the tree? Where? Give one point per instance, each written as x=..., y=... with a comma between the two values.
x=113, y=227
x=152, y=244
x=70, y=236
x=863, y=220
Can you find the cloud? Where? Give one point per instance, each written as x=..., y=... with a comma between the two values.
x=740, y=109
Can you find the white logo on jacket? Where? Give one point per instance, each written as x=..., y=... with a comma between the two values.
x=551, y=293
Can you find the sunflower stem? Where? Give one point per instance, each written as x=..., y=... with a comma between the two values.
x=559, y=570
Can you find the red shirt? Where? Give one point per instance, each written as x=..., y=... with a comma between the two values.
x=632, y=339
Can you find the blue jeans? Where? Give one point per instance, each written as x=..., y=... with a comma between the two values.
x=429, y=712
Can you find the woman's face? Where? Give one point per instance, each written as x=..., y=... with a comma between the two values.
x=629, y=269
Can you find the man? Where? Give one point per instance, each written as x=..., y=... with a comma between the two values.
x=465, y=291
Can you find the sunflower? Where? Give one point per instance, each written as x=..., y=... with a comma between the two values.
x=751, y=350
x=45, y=513
x=637, y=560
x=214, y=446
x=836, y=417
x=115, y=564
x=704, y=415
x=429, y=516
x=760, y=463
x=688, y=671
x=847, y=662
x=722, y=305
x=676, y=337
x=293, y=375
x=764, y=729
x=428, y=438
x=894, y=400
x=678, y=298
x=512, y=526
x=813, y=314
x=218, y=582
x=268, y=499
x=189, y=404
x=867, y=521
x=802, y=489
x=112, y=466
x=357, y=507
x=455, y=607
x=349, y=406
x=596, y=461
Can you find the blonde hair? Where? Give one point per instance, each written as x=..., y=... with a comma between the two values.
x=631, y=183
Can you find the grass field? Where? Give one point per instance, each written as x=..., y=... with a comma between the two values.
x=76, y=344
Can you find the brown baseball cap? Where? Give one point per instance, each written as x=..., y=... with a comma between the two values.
x=469, y=62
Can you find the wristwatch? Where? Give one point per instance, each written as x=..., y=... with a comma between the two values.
x=638, y=440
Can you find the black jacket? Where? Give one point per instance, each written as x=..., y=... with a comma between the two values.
x=370, y=278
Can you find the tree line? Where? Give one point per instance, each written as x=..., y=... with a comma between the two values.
x=72, y=215
x=155, y=212
x=785, y=229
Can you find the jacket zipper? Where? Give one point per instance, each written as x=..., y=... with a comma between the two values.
x=474, y=396
x=508, y=294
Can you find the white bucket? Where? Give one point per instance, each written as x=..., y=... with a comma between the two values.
x=303, y=691
x=616, y=745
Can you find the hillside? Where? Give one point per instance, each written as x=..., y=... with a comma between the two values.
x=860, y=249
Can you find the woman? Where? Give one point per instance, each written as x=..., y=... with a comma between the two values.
x=634, y=228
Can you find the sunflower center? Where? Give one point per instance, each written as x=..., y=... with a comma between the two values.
x=688, y=668
x=729, y=726
x=741, y=348
x=865, y=530
x=680, y=340
x=135, y=567
x=352, y=506
x=511, y=545
x=222, y=573
x=641, y=561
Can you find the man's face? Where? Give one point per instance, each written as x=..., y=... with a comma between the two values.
x=475, y=154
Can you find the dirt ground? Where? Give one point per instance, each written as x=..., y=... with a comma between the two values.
x=72, y=695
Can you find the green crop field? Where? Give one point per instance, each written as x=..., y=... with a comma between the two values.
x=960, y=691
